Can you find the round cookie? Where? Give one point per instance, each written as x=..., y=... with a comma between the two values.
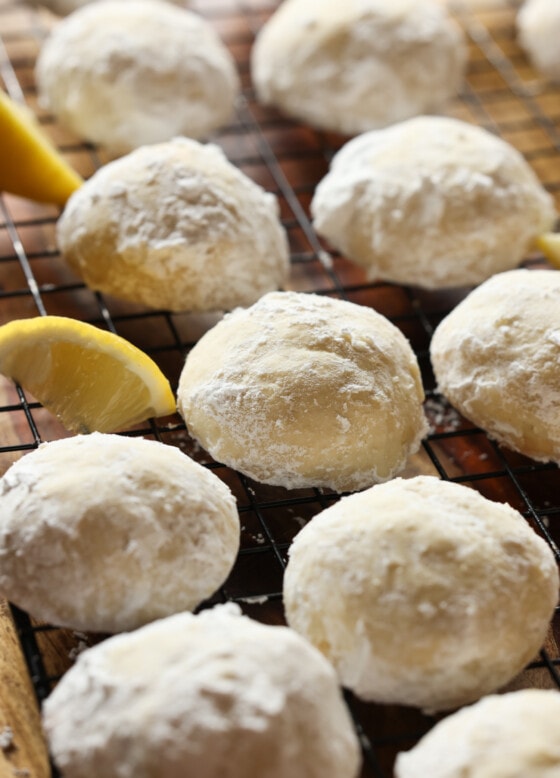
x=356, y=65
x=496, y=358
x=105, y=533
x=212, y=696
x=175, y=226
x=65, y=7
x=126, y=74
x=433, y=202
x=538, y=28
x=421, y=592
x=513, y=735
x=476, y=5
x=301, y=390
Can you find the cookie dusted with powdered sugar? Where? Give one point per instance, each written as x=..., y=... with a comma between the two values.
x=433, y=202
x=213, y=696
x=65, y=7
x=356, y=65
x=175, y=226
x=496, y=358
x=421, y=592
x=513, y=735
x=125, y=74
x=104, y=532
x=301, y=390
x=538, y=28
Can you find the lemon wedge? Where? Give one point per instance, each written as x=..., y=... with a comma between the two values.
x=89, y=378
x=31, y=166
x=549, y=244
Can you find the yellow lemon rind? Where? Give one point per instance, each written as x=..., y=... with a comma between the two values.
x=22, y=334
x=549, y=244
x=31, y=166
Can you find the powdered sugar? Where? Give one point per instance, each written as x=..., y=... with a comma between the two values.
x=496, y=357
x=355, y=65
x=211, y=696
x=432, y=202
x=6, y=738
x=129, y=74
x=300, y=390
x=184, y=230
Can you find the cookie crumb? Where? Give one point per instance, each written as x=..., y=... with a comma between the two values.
x=75, y=651
x=6, y=739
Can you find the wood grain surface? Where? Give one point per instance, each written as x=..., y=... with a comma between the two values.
x=23, y=753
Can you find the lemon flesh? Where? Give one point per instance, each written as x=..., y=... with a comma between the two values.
x=92, y=380
x=549, y=244
x=31, y=166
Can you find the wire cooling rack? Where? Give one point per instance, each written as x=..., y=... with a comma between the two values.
x=503, y=94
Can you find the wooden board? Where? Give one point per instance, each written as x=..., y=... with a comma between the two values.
x=23, y=753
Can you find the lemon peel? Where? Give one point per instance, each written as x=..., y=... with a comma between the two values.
x=91, y=379
x=31, y=165
x=549, y=244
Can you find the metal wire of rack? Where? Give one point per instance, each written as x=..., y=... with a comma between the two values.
x=502, y=93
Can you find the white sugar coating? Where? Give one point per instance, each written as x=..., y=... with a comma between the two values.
x=421, y=592
x=433, y=201
x=65, y=7
x=476, y=5
x=496, y=358
x=175, y=226
x=355, y=65
x=538, y=27
x=128, y=74
x=213, y=696
x=301, y=390
x=515, y=735
x=105, y=533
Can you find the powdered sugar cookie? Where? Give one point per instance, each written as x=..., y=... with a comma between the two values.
x=433, y=202
x=212, y=696
x=421, y=592
x=496, y=358
x=512, y=735
x=105, y=533
x=538, y=25
x=356, y=65
x=301, y=390
x=175, y=226
x=65, y=7
x=126, y=74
